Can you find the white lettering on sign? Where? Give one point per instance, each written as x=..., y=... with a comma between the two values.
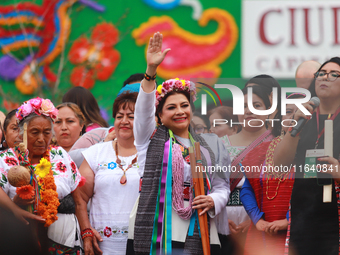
x=278, y=35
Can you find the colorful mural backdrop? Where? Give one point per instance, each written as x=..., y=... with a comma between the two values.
x=48, y=46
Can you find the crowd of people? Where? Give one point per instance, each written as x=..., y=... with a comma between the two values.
x=83, y=187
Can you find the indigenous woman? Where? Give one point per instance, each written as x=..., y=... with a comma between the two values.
x=266, y=195
x=254, y=132
x=53, y=179
x=69, y=126
x=10, y=135
x=314, y=225
x=112, y=181
x=168, y=146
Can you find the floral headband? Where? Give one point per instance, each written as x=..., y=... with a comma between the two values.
x=39, y=106
x=175, y=85
x=296, y=94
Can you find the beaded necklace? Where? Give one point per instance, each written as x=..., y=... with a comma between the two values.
x=180, y=152
x=281, y=176
x=123, y=179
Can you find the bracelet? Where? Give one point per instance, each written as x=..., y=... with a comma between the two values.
x=87, y=232
x=148, y=77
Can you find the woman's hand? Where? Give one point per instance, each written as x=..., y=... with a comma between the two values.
x=91, y=246
x=244, y=226
x=204, y=202
x=24, y=216
x=238, y=229
x=111, y=136
x=22, y=202
x=299, y=114
x=154, y=54
x=275, y=226
x=261, y=225
x=234, y=229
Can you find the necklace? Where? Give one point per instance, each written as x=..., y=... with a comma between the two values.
x=281, y=176
x=123, y=179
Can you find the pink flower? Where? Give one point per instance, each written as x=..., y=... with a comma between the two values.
x=46, y=107
x=26, y=109
x=54, y=113
x=74, y=167
x=36, y=102
x=61, y=167
x=107, y=232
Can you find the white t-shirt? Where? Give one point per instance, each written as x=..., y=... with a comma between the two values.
x=112, y=202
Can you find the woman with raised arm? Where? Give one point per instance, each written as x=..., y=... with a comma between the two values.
x=174, y=111
x=314, y=225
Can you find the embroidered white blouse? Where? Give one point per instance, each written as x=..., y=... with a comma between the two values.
x=66, y=177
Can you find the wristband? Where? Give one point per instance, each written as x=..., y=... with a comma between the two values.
x=148, y=77
x=87, y=232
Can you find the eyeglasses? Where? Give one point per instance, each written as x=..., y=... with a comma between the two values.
x=331, y=76
x=199, y=129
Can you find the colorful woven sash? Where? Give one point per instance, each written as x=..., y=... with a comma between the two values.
x=162, y=232
x=162, y=227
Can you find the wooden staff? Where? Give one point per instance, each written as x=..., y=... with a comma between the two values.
x=198, y=184
x=23, y=147
x=25, y=136
x=327, y=189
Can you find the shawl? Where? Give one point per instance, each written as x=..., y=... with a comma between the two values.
x=148, y=196
x=236, y=177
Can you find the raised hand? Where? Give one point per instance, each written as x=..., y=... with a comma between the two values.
x=154, y=54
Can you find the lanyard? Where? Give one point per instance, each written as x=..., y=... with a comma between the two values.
x=318, y=127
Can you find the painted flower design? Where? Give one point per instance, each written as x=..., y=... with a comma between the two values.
x=74, y=167
x=10, y=105
x=95, y=57
x=112, y=165
x=187, y=159
x=107, y=232
x=10, y=161
x=61, y=167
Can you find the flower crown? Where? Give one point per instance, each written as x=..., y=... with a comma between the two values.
x=39, y=106
x=175, y=85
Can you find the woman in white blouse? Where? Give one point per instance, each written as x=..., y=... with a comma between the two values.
x=112, y=181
